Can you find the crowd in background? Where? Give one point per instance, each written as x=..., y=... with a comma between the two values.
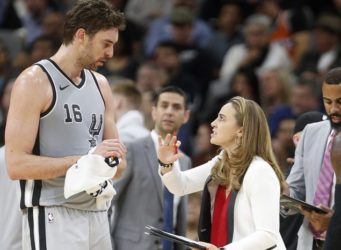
x=274, y=52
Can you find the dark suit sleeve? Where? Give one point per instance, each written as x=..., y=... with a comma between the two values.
x=333, y=239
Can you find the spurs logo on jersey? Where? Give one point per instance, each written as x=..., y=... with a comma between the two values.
x=93, y=130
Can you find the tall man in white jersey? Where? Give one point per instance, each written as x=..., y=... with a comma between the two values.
x=60, y=109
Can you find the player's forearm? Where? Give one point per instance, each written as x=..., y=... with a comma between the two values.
x=37, y=167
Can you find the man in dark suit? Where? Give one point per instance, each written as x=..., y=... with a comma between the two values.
x=333, y=239
x=140, y=193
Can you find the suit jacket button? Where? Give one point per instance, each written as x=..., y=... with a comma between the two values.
x=161, y=220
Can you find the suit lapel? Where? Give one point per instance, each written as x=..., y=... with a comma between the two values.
x=204, y=227
x=150, y=152
x=230, y=216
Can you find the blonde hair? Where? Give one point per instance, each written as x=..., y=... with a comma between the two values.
x=256, y=141
x=128, y=89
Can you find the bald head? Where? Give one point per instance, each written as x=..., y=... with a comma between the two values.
x=336, y=155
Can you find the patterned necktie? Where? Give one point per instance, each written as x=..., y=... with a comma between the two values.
x=168, y=198
x=325, y=182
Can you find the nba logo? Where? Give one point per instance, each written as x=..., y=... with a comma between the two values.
x=50, y=217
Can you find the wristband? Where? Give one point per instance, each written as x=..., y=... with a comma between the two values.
x=165, y=165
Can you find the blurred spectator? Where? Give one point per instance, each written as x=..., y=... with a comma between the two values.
x=282, y=144
x=142, y=13
x=53, y=24
x=305, y=96
x=128, y=117
x=245, y=84
x=133, y=32
x=123, y=64
x=195, y=61
x=256, y=53
x=32, y=20
x=210, y=9
x=146, y=108
x=41, y=48
x=9, y=19
x=64, y=5
x=331, y=6
x=326, y=53
x=119, y=4
x=227, y=31
x=160, y=29
x=290, y=27
x=167, y=56
x=275, y=88
x=150, y=77
x=319, y=6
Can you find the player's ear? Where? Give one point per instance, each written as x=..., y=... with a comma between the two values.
x=80, y=35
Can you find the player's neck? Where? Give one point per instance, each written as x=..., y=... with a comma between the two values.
x=66, y=60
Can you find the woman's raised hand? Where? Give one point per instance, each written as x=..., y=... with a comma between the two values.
x=168, y=149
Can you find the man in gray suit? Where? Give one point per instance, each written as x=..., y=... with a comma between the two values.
x=311, y=161
x=139, y=199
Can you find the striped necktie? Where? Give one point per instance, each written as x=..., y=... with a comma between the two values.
x=325, y=182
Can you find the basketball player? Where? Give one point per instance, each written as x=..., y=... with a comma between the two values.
x=60, y=109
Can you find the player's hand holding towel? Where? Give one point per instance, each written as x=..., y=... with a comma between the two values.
x=91, y=174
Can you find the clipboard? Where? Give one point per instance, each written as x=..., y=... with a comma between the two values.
x=295, y=204
x=173, y=237
x=179, y=239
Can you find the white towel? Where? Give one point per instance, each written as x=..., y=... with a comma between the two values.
x=89, y=174
x=103, y=192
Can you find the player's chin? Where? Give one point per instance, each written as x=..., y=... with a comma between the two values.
x=96, y=65
x=93, y=67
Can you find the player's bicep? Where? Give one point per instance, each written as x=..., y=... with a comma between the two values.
x=23, y=115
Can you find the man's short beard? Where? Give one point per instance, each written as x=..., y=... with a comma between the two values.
x=334, y=125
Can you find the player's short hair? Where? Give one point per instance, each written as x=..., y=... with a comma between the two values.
x=93, y=16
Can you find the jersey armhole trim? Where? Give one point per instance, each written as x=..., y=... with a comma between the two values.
x=93, y=76
x=53, y=103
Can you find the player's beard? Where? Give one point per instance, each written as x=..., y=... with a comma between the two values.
x=88, y=63
x=86, y=60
